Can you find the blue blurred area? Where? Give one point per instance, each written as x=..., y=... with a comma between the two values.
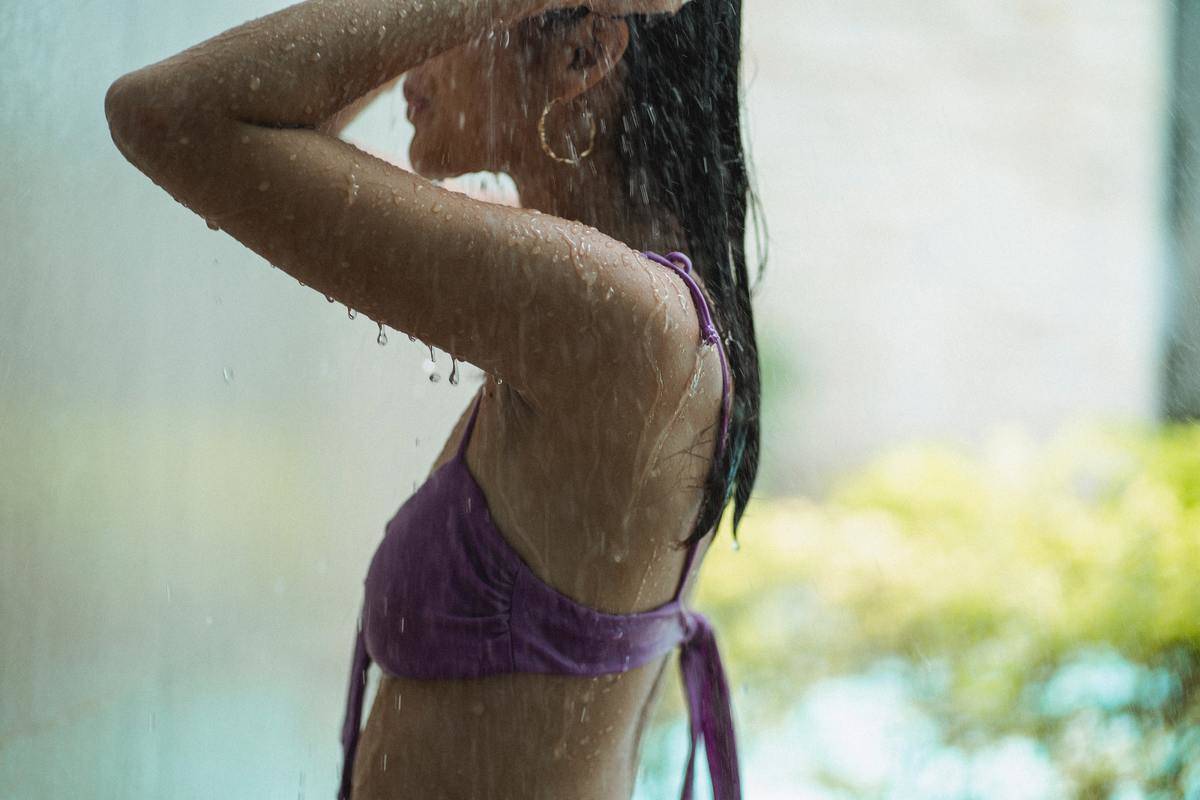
x=197, y=455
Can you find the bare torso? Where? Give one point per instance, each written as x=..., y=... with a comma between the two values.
x=563, y=489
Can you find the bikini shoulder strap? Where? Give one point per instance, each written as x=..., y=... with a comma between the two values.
x=711, y=337
x=707, y=327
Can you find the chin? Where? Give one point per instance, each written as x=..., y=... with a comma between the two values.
x=434, y=166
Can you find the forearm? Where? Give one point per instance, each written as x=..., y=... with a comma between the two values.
x=298, y=66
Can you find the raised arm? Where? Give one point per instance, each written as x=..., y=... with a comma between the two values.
x=237, y=129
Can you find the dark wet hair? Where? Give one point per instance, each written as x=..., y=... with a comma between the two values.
x=680, y=143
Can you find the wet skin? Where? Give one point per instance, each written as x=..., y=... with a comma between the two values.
x=592, y=444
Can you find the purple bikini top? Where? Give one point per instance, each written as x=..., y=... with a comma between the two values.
x=447, y=597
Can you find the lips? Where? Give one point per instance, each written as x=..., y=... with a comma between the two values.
x=417, y=99
x=416, y=106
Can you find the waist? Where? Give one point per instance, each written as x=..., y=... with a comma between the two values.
x=516, y=735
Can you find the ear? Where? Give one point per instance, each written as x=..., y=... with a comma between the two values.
x=587, y=54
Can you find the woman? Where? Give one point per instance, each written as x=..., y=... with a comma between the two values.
x=524, y=601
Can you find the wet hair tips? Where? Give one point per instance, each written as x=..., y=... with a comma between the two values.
x=679, y=139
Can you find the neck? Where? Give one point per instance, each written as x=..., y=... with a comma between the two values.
x=595, y=193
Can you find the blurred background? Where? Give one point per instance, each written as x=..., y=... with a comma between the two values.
x=970, y=570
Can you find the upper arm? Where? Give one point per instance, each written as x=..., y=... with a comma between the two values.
x=545, y=304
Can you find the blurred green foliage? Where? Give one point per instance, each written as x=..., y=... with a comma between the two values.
x=994, y=571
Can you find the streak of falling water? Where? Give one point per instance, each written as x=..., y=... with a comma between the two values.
x=351, y=313
x=453, y=371
x=381, y=339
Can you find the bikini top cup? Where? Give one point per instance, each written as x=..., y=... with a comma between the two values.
x=447, y=597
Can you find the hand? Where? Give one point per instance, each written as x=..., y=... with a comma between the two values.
x=620, y=8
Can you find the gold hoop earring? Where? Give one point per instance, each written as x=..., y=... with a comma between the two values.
x=546, y=145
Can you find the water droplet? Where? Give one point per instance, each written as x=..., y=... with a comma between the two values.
x=329, y=297
x=227, y=373
x=381, y=339
x=255, y=82
x=351, y=189
x=737, y=545
x=351, y=313
x=434, y=378
x=212, y=226
x=262, y=187
x=453, y=371
x=289, y=46
x=315, y=57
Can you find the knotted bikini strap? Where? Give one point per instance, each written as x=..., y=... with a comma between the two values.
x=709, y=711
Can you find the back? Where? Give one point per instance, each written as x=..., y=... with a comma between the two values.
x=451, y=596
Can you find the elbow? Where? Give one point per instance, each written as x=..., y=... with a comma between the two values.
x=130, y=121
x=144, y=116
